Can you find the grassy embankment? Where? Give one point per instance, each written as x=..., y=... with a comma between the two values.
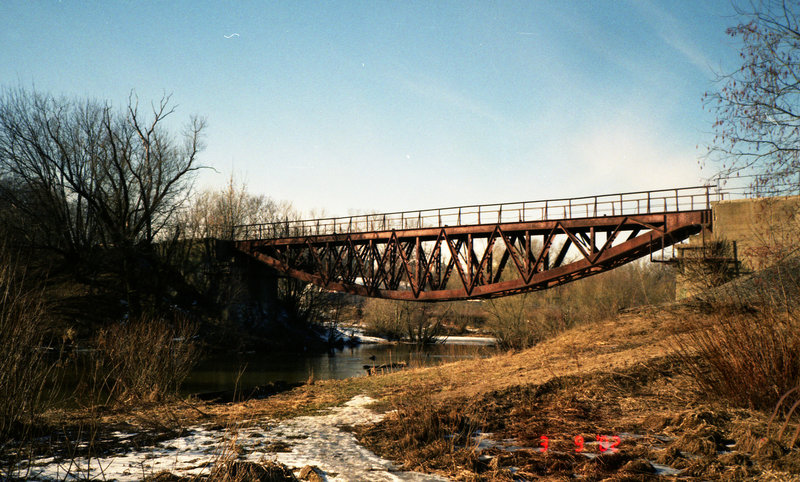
x=646, y=375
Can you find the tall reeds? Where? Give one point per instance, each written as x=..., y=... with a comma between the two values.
x=146, y=359
x=24, y=368
x=746, y=348
x=751, y=359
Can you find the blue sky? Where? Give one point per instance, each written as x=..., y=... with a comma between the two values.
x=353, y=106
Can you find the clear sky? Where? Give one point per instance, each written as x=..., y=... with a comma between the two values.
x=353, y=106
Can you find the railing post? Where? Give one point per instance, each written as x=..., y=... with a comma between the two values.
x=595, y=206
x=384, y=222
x=708, y=200
x=419, y=219
x=677, y=201
x=570, y=209
x=522, y=215
x=439, y=213
x=500, y=214
x=648, y=202
x=479, y=214
x=545, y=211
x=459, y=217
x=621, y=206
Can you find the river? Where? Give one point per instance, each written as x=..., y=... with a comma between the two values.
x=221, y=373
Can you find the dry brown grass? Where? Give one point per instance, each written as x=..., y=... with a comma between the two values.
x=609, y=377
x=746, y=349
x=750, y=359
x=238, y=471
x=612, y=377
x=26, y=370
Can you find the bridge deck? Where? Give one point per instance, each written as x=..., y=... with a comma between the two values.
x=627, y=203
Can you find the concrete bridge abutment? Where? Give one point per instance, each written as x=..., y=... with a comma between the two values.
x=745, y=235
x=259, y=282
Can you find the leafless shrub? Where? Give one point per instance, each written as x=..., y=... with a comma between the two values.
x=523, y=320
x=146, y=359
x=514, y=324
x=605, y=295
x=403, y=320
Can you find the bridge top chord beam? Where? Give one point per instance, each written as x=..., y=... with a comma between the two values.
x=618, y=204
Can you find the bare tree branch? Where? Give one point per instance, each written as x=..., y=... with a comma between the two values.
x=758, y=105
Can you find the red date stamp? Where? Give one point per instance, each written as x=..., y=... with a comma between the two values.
x=605, y=443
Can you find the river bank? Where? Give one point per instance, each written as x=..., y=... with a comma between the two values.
x=605, y=399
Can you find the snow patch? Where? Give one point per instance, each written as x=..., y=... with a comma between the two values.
x=312, y=440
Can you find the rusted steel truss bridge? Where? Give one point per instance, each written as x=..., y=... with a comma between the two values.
x=480, y=251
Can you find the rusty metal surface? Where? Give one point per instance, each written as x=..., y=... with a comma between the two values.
x=498, y=255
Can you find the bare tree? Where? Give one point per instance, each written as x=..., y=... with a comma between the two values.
x=80, y=177
x=758, y=105
x=211, y=216
x=85, y=175
x=214, y=214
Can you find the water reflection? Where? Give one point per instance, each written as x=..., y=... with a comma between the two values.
x=249, y=370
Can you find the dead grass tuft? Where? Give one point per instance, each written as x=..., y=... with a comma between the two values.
x=749, y=359
x=424, y=435
x=239, y=471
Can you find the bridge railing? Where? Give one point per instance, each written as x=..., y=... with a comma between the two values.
x=627, y=203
